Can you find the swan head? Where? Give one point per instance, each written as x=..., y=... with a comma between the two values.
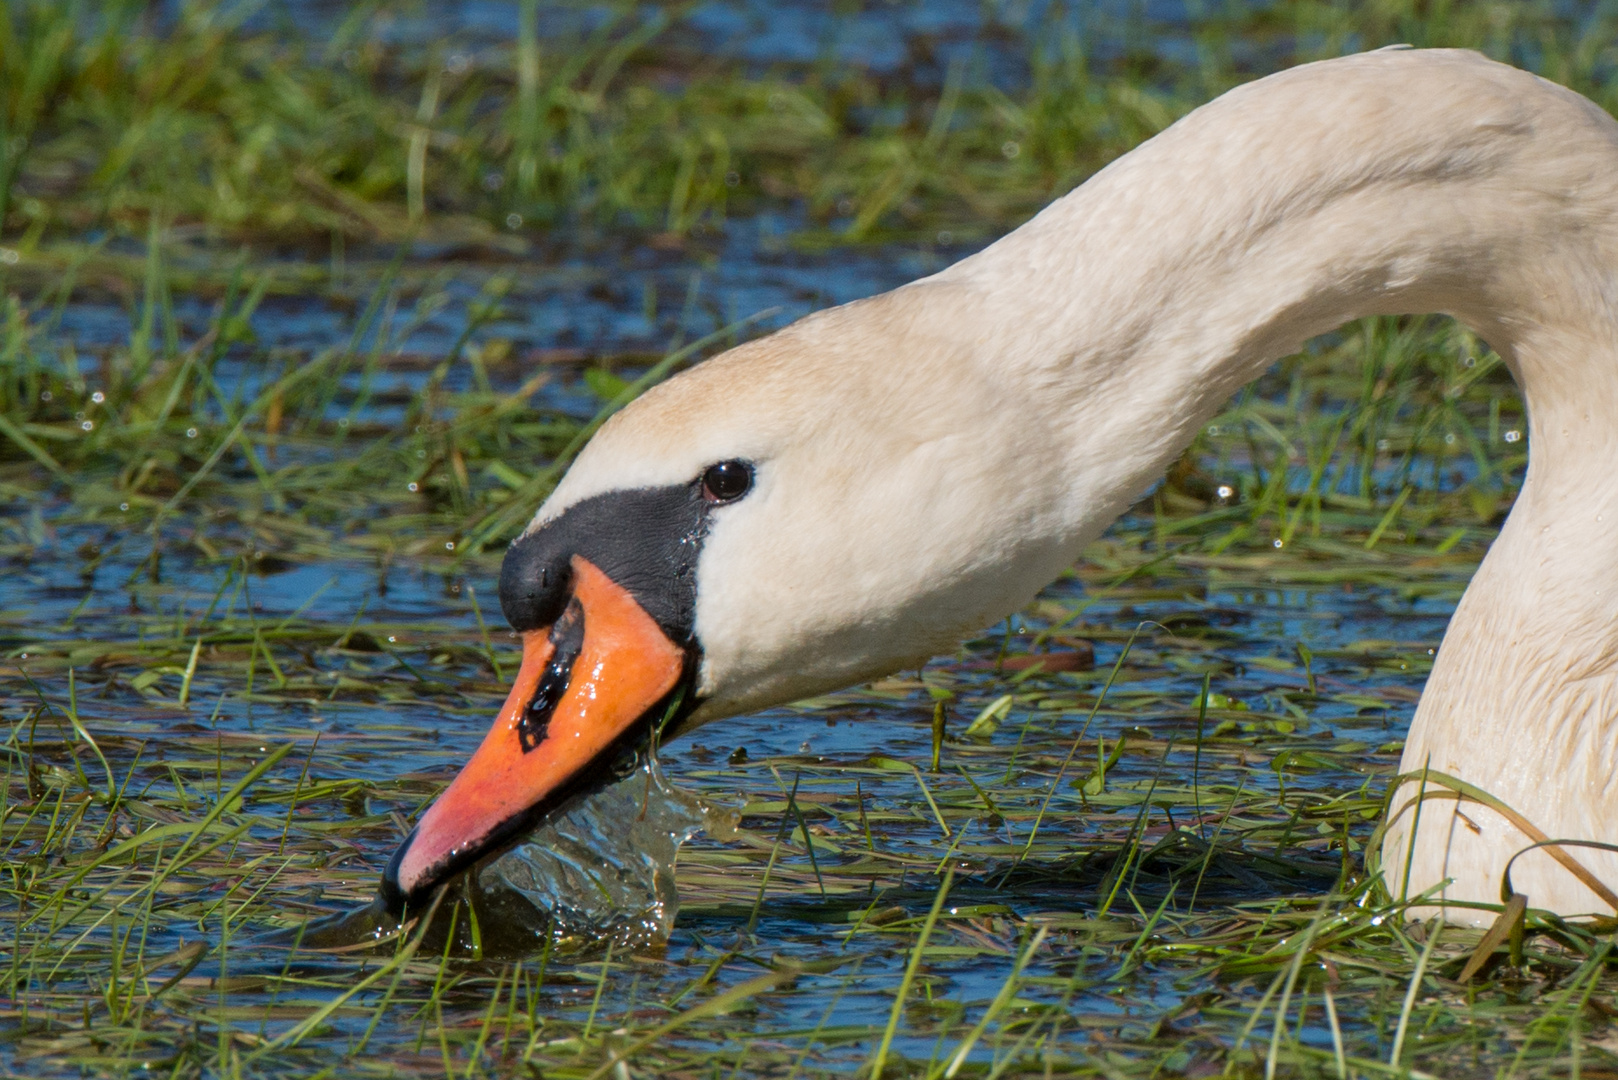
x=802, y=513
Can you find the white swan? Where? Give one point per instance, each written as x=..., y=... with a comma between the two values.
x=855, y=493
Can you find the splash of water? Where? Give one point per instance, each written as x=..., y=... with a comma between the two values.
x=598, y=870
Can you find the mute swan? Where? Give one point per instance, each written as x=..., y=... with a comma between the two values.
x=856, y=492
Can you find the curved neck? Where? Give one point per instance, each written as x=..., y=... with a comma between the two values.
x=1389, y=183
x=1392, y=182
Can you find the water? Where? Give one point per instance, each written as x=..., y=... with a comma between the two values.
x=575, y=298
x=598, y=871
x=595, y=874
x=915, y=39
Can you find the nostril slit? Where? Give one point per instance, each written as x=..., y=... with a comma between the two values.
x=567, y=640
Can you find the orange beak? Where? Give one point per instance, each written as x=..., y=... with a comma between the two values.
x=586, y=682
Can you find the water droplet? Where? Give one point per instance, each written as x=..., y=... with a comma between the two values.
x=190, y=432
x=98, y=397
x=87, y=425
x=449, y=545
x=1277, y=543
x=1513, y=435
x=1224, y=491
x=413, y=486
x=513, y=221
x=123, y=506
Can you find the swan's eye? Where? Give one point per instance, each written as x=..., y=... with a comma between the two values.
x=726, y=481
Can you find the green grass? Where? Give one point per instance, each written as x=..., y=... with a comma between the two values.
x=1150, y=868
x=111, y=120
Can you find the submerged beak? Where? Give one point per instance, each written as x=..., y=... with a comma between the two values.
x=586, y=682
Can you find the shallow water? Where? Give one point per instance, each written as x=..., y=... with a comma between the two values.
x=613, y=297
x=835, y=816
x=915, y=38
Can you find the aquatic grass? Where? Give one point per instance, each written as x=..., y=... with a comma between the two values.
x=220, y=118
x=238, y=663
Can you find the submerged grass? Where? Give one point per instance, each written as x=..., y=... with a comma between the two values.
x=249, y=628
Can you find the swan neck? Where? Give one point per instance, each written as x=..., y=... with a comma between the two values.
x=1182, y=271
x=1386, y=184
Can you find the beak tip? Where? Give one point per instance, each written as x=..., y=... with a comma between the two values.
x=632, y=666
x=394, y=895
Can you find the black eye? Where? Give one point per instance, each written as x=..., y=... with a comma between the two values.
x=726, y=481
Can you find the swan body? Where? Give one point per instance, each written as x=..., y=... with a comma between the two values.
x=919, y=464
